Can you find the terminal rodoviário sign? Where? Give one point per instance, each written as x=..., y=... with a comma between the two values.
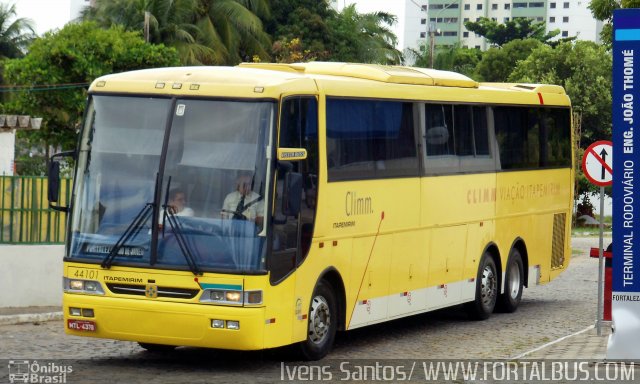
x=625, y=339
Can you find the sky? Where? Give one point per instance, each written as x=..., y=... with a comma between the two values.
x=46, y=14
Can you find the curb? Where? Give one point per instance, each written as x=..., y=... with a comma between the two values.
x=30, y=318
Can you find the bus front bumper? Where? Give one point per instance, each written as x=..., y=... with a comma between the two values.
x=166, y=323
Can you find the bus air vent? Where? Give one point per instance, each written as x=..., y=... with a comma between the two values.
x=557, y=246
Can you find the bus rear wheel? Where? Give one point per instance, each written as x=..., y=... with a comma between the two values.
x=323, y=323
x=513, y=283
x=486, y=290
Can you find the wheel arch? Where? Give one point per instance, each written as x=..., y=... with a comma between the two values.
x=333, y=277
x=521, y=246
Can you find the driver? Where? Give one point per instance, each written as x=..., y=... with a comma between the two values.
x=243, y=203
x=177, y=205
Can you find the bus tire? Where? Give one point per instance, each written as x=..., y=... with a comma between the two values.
x=513, y=283
x=486, y=290
x=323, y=323
x=157, y=348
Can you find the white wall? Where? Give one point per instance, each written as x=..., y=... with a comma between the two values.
x=31, y=275
x=7, y=151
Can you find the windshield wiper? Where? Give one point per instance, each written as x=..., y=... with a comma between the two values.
x=177, y=230
x=176, y=227
x=132, y=230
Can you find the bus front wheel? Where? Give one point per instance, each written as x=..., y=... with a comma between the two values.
x=486, y=290
x=323, y=323
x=513, y=283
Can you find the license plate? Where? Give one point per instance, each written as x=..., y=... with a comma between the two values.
x=81, y=325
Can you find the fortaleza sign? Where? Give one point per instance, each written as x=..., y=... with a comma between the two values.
x=624, y=341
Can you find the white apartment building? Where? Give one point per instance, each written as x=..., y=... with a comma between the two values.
x=445, y=18
x=573, y=18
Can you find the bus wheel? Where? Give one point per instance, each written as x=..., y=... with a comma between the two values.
x=157, y=348
x=513, y=283
x=323, y=323
x=486, y=290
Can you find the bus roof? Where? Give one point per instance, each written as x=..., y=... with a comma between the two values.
x=387, y=74
x=270, y=80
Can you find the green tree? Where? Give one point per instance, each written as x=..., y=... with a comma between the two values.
x=518, y=28
x=603, y=10
x=15, y=33
x=202, y=31
x=51, y=80
x=458, y=59
x=497, y=63
x=291, y=52
x=235, y=27
x=583, y=68
x=455, y=58
x=305, y=20
x=15, y=36
x=364, y=38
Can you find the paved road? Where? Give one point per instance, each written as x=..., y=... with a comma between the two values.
x=566, y=305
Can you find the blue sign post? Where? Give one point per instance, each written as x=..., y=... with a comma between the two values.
x=624, y=341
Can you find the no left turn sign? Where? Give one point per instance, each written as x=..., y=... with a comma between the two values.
x=597, y=163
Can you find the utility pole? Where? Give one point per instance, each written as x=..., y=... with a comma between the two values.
x=433, y=30
x=432, y=42
x=147, y=17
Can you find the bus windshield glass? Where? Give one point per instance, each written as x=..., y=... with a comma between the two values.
x=190, y=173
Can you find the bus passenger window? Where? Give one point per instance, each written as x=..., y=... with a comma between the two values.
x=439, y=130
x=368, y=139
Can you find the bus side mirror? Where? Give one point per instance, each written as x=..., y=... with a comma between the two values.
x=292, y=197
x=54, y=180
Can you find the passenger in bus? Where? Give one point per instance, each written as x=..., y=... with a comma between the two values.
x=177, y=204
x=243, y=203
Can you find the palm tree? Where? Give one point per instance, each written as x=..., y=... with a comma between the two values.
x=15, y=33
x=365, y=38
x=235, y=27
x=203, y=31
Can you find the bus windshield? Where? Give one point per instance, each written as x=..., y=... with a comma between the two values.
x=174, y=183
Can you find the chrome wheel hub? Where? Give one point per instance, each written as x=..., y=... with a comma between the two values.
x=319, y=320
x=489, y=287
x=514, y=280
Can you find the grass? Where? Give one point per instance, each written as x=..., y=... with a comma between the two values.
x=578, y=230
x=589, y=231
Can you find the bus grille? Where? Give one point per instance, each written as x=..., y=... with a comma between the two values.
x=557, y=246
x=139, y=290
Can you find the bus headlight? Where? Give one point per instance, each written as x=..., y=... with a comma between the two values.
x=221, y=296
x=216, y=295
x=91, y=287
x=234, y=297
x=76, y=285
x=231, y=297
x=253, y=297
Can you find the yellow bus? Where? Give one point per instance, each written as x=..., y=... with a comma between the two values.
x=265, y=205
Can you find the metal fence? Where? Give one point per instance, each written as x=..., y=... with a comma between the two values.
x=25, y=217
